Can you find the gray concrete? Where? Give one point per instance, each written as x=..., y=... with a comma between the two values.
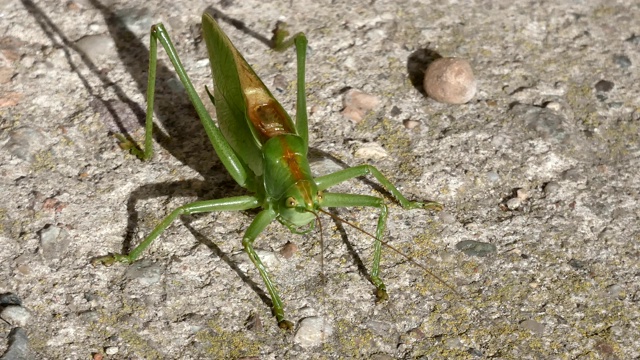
x=560, y=281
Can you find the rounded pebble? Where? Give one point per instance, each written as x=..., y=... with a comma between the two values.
x=514, y=203
x=572, y=174
x=97, y=47
x=498, y=140
x=288, y=250
x=15, y=315
x=446, y=217
x=453, y=343
x=313, y=331
x=269, y=258
x=372, y=151
x=280, y=83
x=325, y=166
x=450, y=81
x=357, y=104
x=522, y=194
x=411, y=124
x=493, y=176
x=553, y=105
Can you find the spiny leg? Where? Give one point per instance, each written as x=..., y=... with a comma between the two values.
x=228, y=204
x=325, y=182
x=257, y=226
x=228, y=157
x=351, y=200
x=147, y=152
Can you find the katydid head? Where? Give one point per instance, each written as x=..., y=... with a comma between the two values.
x=298, y=205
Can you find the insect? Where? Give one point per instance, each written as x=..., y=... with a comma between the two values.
x=264, y=151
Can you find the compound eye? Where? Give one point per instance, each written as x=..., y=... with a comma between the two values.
x=291, y=202
x=320, y=196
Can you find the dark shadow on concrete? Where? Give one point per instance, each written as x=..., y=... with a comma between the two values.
x=417, y=64
x=225, y=257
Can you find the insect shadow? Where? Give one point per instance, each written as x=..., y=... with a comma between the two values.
x=183, y=136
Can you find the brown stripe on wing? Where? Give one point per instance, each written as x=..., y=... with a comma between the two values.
x=292, y=159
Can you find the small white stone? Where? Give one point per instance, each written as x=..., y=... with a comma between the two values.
x=513, y=203
x=268, y=258
x=313, y=331
x=553, y=105
x=446, y=217
x=16, y=315
x=522, y=194
x=493, y=176
x=98, y=48
x=411, y=124
x=371, y=151
x=552, y=187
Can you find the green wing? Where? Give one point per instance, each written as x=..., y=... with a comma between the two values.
x=248, y=114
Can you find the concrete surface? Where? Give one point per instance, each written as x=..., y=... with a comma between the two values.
x=549, y=271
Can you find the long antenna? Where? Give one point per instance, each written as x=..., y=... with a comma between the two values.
x=322, y=275
x=424, y=268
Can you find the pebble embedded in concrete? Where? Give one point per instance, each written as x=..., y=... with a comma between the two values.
x=24, y=143
x=411, y=124
x=493, y=176
x=522, y=194
x=97, y=47
x=313, y=331
x=476, y=248
x=145, y=272
x=15, y=315
x=372, y=151
x=552, y=187
x=357, y=104
x=54, y=242
x=545, y=123
x=513, y=203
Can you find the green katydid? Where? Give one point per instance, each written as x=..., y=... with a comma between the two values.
x=264, y=151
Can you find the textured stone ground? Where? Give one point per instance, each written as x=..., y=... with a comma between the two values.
x=538, y=175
